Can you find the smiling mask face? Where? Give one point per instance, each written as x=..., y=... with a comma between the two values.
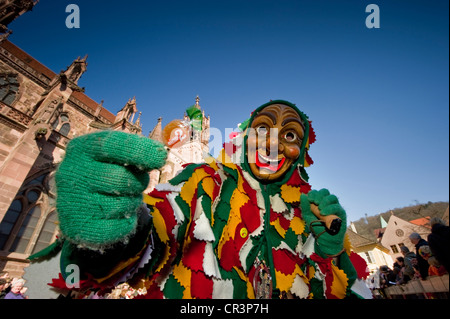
x=274, y=142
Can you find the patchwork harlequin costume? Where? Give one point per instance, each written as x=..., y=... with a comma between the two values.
x=220, y=229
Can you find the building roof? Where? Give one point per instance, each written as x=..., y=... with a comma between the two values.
x=357, y=240
x=424, y=221
x=29, y=61
x=86, y=100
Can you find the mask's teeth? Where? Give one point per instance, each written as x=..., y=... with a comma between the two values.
x=267, y=159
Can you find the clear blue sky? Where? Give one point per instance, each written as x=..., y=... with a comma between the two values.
x=378, y=98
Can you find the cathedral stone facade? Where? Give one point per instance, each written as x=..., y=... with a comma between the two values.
x=40, y=112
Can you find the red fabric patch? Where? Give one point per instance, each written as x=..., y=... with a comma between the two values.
x=193, y=255
x=360, y=265
x=305, y=188
x=250, y=216
x=229, y=257
x=251, y=193
x=273, y=216
x=229, y=148
x=201, y=286
x=283, y=261
x=325, y=267
x=208, y=169
x=166, y=212
x=89, y=283
x=251, y=274
x=285, y=223
x=295, y=179
x=297, y=212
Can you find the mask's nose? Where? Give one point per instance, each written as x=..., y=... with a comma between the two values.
x=273, y=146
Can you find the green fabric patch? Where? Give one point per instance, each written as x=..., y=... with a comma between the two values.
x=185, y=174
x=317, y=288
x=173, y=289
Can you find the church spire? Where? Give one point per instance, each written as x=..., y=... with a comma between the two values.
x=156, y=134
x=76, y=69
x=127, y=112
x=197, y=102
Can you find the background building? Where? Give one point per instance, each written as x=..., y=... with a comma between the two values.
x=397, y=234
x=375, y=254
x=193, y=151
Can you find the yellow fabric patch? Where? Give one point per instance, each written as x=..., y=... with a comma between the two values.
x=290, y=194
x=250, y=290
x=340, y=282
x=211, y=161
x=223, y=239
x=306, y=164
x=311, y=272
x=208, y=186
x=237, y=200
x=226, y=160
x=280, y=230
x=190, y=187
x=284, y=282
x=149, y=200
x=160, y=225
x=183, y=275
x=241, y=274
x=347, y=245
x=298, y=225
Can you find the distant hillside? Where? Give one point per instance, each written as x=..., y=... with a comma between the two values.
x=365, y=226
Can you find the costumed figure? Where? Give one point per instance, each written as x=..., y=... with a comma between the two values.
x=244, y=225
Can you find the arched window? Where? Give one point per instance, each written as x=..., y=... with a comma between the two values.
x=62, y=124
x=9, y=87
x=65, y=129
x=47, y=235
x=26, y=230
x=30, y=223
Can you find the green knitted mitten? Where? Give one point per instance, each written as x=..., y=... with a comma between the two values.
x=326, y=244
x=100, y=183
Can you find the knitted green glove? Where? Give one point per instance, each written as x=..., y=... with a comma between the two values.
x=327, y=244
x=99, y=186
